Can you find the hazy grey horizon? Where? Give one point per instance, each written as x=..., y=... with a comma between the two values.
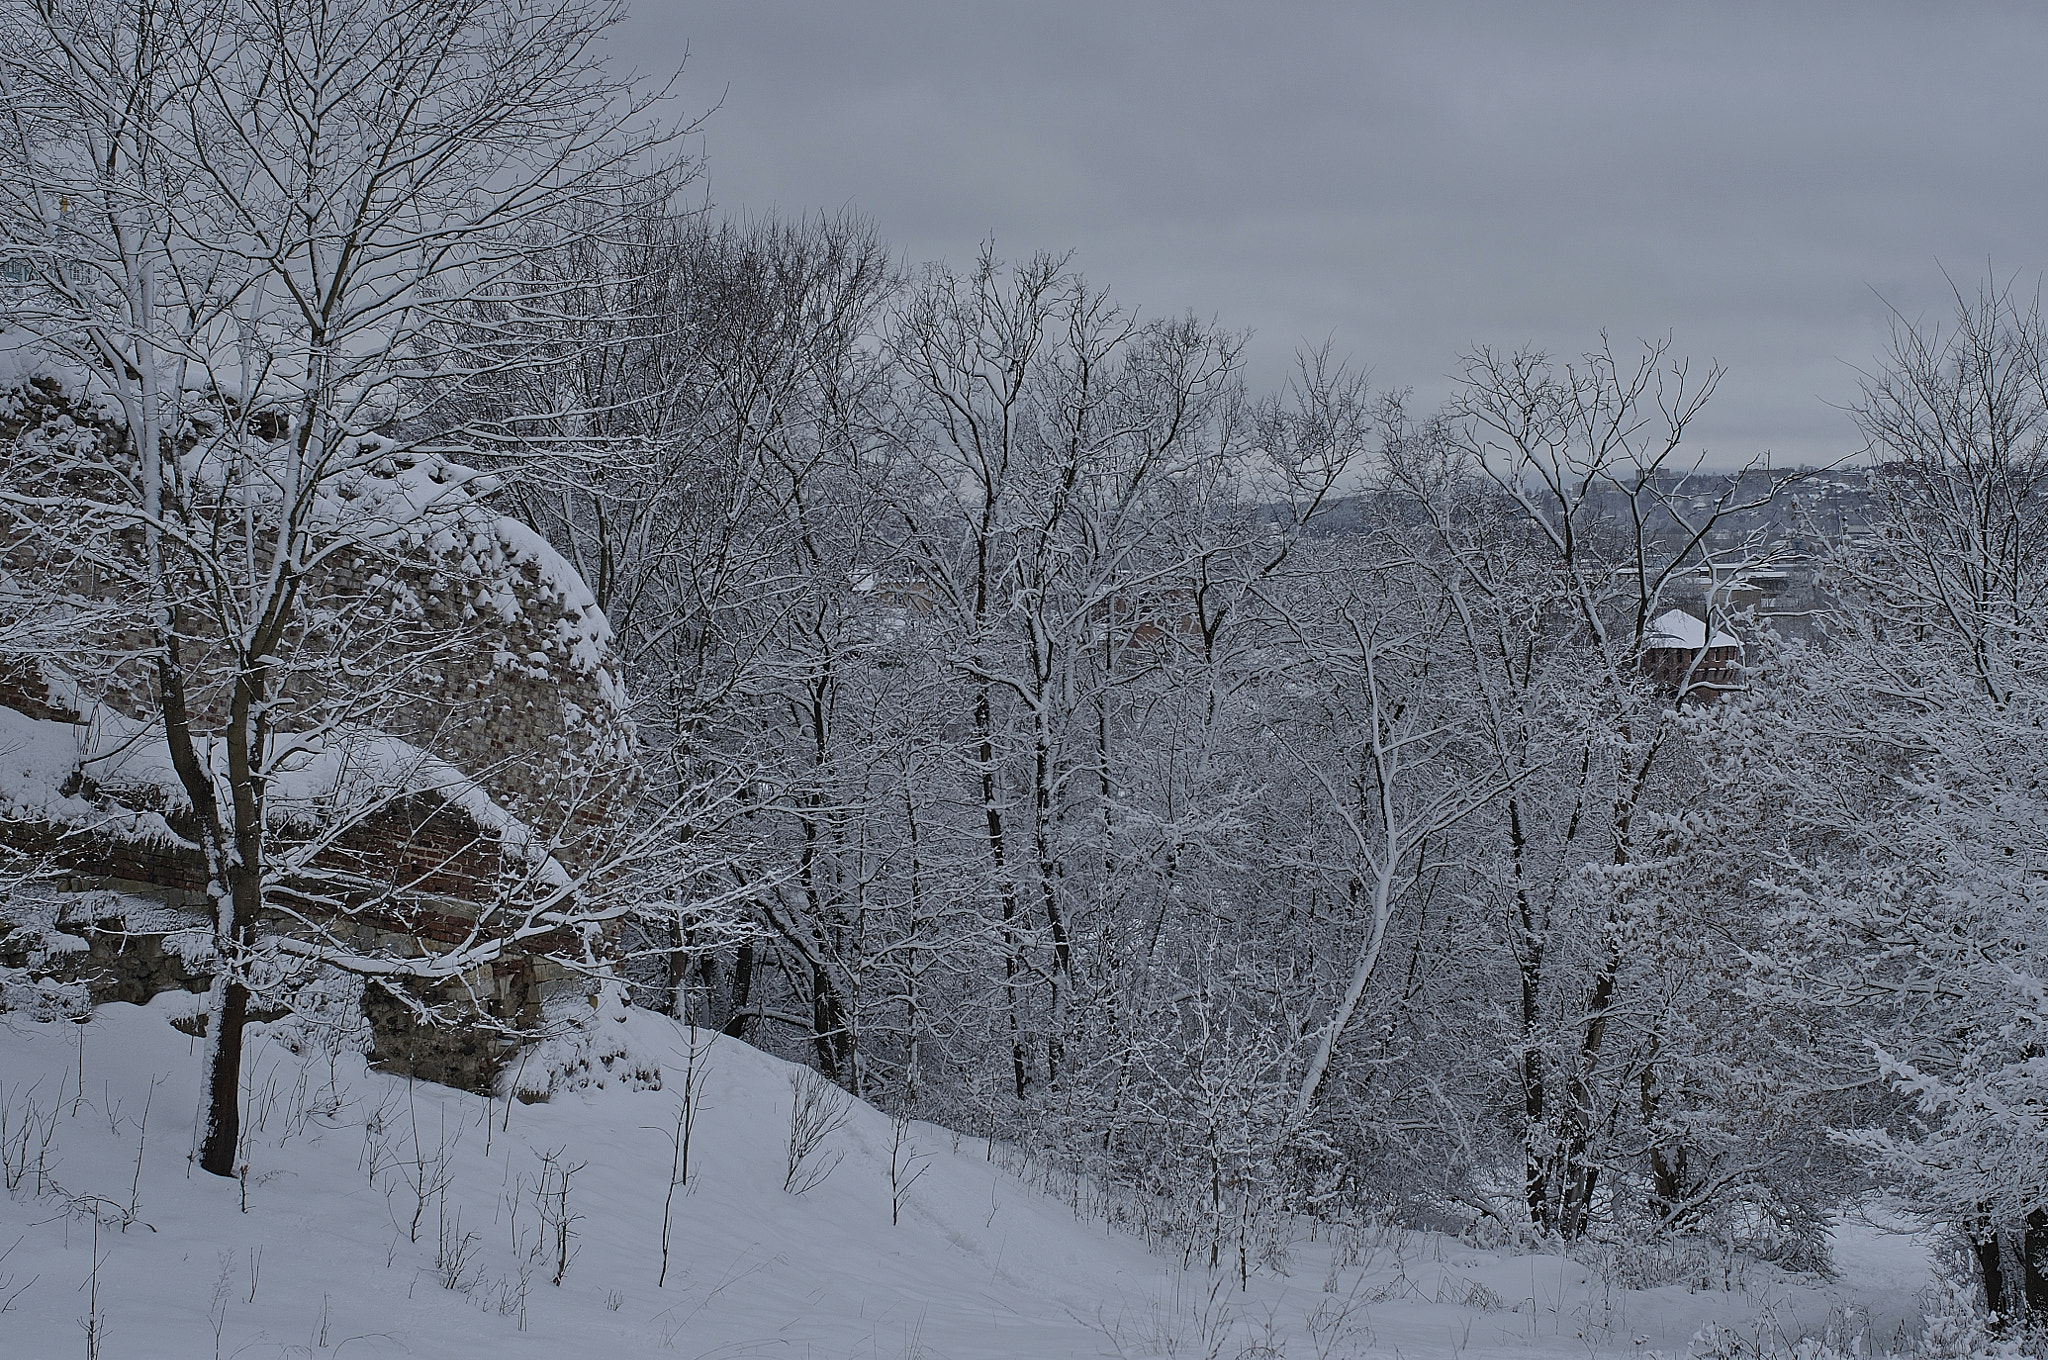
x=1757, y=181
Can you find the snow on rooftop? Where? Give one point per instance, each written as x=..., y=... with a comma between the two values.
x=1676, y=630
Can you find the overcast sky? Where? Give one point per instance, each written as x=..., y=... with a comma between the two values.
x=1411, y=180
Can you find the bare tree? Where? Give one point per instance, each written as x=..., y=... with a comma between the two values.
x=1958, y=420
x=1396, y=764
x=251, y=227
x=1908, y=755
x=1569, y=503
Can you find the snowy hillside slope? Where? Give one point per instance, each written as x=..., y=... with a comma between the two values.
x=386, y=1218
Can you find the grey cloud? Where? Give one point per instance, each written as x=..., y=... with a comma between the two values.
x=1411, y=180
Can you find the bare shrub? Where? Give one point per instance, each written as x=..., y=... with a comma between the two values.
x=817, y=1110
x=455, y=1259
x=558, y=1221
x=906, y=1164
x=687, y=1109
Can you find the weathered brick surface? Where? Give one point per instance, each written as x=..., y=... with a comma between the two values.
x=102, y=853
x=23, y=689
x=132, y=966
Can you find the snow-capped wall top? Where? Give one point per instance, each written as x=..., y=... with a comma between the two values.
x=24, y=359
x=433, y=504
x=41, y=762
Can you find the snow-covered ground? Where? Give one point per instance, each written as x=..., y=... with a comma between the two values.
x=384, y=1218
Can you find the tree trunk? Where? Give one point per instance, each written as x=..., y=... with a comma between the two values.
x=2034, y=1265
x=2013, y=1265
x=1361, y=975
x=984, y=726
x=1048, y=873
x=223, y=1092
x=830, y=1032
x=1990, y=1254
x=742, y=990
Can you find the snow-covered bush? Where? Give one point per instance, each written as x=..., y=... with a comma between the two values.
x=586, y=1043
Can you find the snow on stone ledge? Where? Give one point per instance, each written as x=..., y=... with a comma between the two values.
x=347, y=773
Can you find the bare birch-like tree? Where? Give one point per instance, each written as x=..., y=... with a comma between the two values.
x=249, y=230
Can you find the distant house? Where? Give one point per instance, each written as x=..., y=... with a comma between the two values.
x=1680, y=651
x=911, y=594
x=1147, y=616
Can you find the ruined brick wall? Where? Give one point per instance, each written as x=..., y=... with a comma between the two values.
x=468, y=644
x=24, y=688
